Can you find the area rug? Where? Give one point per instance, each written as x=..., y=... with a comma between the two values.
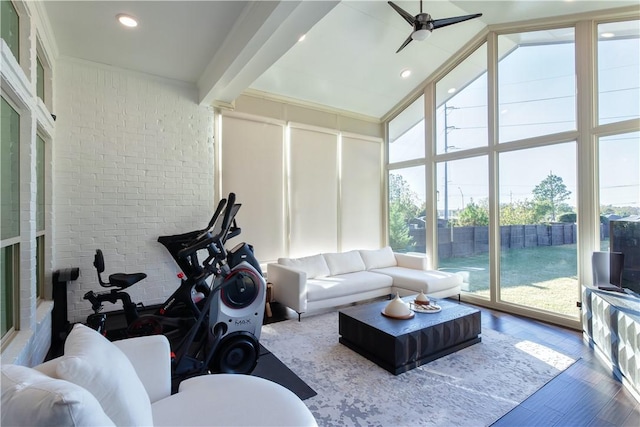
x=271, y=368
x=472, y=387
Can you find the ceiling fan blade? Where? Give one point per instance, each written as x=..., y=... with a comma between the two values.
x=406, y=15
x=439, y=23
x=406, y=42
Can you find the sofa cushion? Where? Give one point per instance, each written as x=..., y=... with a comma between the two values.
x=30, y=398
x=92, y=362
x=346, y=284
x=427, y=281
x=314, y=266
x=344, y=262
x=378, y=258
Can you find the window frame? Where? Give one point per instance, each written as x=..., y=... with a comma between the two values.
x=12, y=244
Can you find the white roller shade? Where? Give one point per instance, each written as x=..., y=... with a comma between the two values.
x=252, y=163
x=313, y=192
x=361, y=205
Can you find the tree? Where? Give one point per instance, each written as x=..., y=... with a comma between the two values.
x=399, y=237
x=522, y=212
x=401, y=194
x=403, y=206
x=550, y=193
x=473, y=215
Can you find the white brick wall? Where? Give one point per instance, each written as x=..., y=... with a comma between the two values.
x=133, y=160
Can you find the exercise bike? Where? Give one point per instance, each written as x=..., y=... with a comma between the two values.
x=182, y=303
x=220, y=332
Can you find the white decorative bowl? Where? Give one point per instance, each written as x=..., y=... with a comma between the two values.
x=397, y=308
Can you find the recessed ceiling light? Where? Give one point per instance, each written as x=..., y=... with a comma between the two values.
x=607, y=35
x=405, y=73
x=302, y=37
x=127, y=20
x=452, y=90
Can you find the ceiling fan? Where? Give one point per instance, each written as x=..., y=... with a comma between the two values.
x=423, y=24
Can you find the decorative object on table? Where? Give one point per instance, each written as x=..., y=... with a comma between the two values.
x=398, y=309
x=431, y=308
x=422, y=304
x=421, y=299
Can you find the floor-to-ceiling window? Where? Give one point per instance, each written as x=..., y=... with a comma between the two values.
x=406, y=180
x=537, y=179
x=538, y=261
x=618, y=141
x=515, y=148
x=462, y=184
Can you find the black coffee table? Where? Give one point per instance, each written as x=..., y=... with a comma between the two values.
x=401, y=345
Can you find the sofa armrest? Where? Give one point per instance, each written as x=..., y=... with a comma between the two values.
x=289, y=286
x=151, y=358
x=416, y=262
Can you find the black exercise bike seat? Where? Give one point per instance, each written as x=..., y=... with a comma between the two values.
x=116, y=280
x=124, y=280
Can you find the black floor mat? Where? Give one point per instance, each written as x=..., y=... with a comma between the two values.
x=271, y=368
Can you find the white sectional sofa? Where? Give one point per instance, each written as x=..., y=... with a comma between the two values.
x=332, y=279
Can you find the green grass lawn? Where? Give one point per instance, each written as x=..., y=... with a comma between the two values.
x=543, y=277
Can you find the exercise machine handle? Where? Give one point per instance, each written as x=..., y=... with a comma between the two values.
x=215, y=244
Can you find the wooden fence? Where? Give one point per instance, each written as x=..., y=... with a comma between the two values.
x=467, y=241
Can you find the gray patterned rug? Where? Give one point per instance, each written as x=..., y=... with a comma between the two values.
x=472, y=387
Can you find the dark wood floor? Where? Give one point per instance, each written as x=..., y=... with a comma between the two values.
x=586, y=394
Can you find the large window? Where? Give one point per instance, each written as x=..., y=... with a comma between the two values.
x=619, y=180
x=10, y=211
x=461, y=97
x=618, y=71
x=538, y=253
x=537, y=84
x=511, y=173
x=407, y=195
x=463, y=221
x=407, y=231
x=406, y=133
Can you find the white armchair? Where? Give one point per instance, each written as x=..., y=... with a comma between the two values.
x=128, y=382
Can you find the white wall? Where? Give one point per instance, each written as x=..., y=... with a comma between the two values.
x=133, y=160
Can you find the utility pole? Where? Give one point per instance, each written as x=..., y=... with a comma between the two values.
x=447, y=128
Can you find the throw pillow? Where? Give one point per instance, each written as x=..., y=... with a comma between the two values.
x=379, y=258
x=30, y=398
x=344, y=262
x=314, y=266
x=93, y=362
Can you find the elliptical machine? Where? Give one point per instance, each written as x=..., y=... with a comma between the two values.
x=223, y=331
x=182, y=307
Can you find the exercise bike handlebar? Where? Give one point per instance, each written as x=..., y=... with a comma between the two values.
x=214, y=243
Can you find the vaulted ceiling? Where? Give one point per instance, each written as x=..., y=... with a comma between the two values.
x=347, y=60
